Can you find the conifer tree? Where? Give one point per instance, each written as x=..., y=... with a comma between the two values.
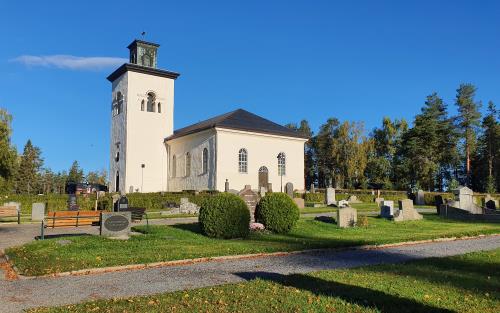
x=28, y=174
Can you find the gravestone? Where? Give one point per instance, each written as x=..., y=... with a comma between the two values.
x=387, y=209
x=262, y=191
x=490, y=202
x=312, y=189
x=438, y=202
x=299, y=202
x=251, y=198
x=269, y=187
x=464, y=200
x=330, y=196
x=37, y=211
x=115, y=224
x=289, y=189
x=406, y=212
x=122, y=203
x=72, y=205
x=419, y=197
x=347, y=217
x=378, y=201
x=343, y=204
x=353, y=199
x=226, y=186
x=188, y=207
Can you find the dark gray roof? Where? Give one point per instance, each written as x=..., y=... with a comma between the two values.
x=141, y=69
x=238, y=120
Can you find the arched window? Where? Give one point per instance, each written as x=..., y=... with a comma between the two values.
x=142, y=105
x=151, y=102
x=117, y=156
x=281, y=164
x=174, y=166
x=188, y=164
x=204, y=161
x=243, y=161
x=159, y=107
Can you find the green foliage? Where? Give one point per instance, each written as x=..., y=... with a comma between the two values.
x=315, y=197
x=277, y=212
x=224, y=216
x=28, y=174
x=75, y=173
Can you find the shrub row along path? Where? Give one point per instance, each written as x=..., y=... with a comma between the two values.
x=26, y=293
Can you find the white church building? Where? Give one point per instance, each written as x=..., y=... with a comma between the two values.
x=147, y=155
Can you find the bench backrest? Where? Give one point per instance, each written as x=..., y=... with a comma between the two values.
x=8, y=211
x=72, y=218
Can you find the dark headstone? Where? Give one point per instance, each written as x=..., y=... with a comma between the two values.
x=438, y=201
x=72, y=205
x=122, y=203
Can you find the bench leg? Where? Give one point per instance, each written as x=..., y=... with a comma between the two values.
x=18, y=217
x=41, y=232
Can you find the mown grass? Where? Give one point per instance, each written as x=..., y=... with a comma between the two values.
x=163, y=243
x=467, y=283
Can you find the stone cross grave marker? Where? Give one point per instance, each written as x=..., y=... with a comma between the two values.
x=251, y=198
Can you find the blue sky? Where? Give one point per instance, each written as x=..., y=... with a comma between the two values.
x=284, y=60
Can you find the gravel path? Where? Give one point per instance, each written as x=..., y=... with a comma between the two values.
x=26, y=293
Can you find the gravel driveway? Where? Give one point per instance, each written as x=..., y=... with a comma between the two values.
x=26, y=293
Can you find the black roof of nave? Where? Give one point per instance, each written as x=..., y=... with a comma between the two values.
x=239, y=120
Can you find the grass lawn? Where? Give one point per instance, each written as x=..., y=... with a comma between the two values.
x=163, y=243
x=467, y=283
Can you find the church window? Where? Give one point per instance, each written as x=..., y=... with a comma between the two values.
x=205, y=161
x=159, y=107
x=142, y=105
x=151, y=102
x=281, y=164
x=174, y=166
x=188, y=164
x=243, y=161
x=117, y=156
x=119, y=102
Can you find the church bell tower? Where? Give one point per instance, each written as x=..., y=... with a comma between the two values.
x=142, y=111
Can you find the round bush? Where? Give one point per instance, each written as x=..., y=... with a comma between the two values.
x=277, y=212
x=224, y=216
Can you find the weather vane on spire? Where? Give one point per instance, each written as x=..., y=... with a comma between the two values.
x=143, y=34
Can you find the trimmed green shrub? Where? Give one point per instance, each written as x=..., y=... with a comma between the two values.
x=224, y=216
x=277, y=212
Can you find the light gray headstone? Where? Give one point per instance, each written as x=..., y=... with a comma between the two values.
x=343, y=204
x=406, y=211
x=299, y=202
x=188, y=207
x=378, y=201
x=419, y=197
x=353, y=199
x=289, y=189
x=347, y=217
x=262, y=191
x=37, y=211
x=312, y=189
x=115, y=224
x=464, y=200
x=330, y=196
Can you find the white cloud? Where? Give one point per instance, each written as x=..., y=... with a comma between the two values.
x=70, y=62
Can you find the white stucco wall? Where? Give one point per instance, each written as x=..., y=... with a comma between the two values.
x=144, y=132
x=194, y=144
x=262, y=150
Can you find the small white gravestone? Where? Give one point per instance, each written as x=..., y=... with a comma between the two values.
x=347, y=217
x=37, y=211
x=343, y=204
x=379, y=201
x=330, y=196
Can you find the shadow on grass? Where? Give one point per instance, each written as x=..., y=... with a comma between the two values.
x=354, y=294
x=463, y=274
x=62, y=236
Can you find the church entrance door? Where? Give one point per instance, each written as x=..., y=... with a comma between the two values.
x=263, y=177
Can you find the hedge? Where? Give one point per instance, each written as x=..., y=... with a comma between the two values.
x=224, y=216
x=151, y=201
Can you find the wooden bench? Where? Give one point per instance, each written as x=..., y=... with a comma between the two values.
x=136, y=214
x=59, y=219
x=10, y=211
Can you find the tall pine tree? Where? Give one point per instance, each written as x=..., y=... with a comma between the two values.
x=28, y=174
